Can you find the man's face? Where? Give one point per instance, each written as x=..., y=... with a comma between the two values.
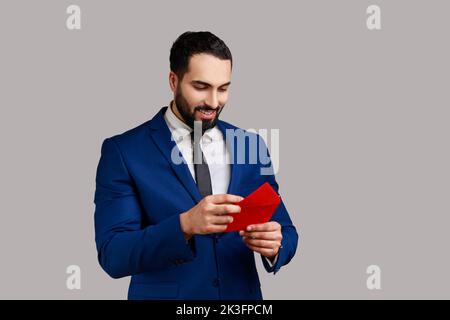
x=203, y=91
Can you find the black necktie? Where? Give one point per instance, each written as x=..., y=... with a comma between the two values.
x=201, y=169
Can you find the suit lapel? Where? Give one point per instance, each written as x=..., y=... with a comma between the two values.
x=162, y=138
x=231, y=143
x=232, y=149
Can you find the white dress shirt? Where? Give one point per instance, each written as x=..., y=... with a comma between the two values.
x=214, y=150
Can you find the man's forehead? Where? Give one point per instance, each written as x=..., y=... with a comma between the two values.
x=208, y=69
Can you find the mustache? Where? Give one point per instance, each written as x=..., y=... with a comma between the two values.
x=206, y=108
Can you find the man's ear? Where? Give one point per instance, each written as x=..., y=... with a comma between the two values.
x=173, y=81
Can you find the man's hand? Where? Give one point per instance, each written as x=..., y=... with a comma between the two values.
x=264, y=238
x=210, y=215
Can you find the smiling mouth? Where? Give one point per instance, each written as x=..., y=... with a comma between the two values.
x=207, y=114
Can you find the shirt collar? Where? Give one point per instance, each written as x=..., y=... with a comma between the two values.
x=178, y=128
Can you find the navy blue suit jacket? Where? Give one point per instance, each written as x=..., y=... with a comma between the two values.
x=139, y=196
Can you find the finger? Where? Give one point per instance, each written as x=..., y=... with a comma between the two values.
x=268, y=226
x=222, y=209
x=264, y=251
x=224, y=198
x=269, y=244
x=221, y=220
x=271, y=235
x=215, y=228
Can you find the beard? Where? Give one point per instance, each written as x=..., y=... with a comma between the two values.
x=189, y=116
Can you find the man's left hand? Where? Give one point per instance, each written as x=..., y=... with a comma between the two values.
x=264, y=238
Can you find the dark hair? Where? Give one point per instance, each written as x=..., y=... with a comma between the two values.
x=190, y=43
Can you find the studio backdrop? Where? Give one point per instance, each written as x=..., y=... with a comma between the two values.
x=357, y=92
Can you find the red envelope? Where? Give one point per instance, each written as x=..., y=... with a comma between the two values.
x=257, y=207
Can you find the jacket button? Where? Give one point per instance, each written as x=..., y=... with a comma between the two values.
x=216, y=282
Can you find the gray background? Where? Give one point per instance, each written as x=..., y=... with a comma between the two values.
x=363, y=118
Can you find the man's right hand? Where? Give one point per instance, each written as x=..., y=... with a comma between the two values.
x=210, y=215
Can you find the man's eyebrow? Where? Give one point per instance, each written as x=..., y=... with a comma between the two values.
x=203, y=83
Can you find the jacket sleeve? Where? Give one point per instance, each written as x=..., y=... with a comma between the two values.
x=125, y=247
x=288, y=230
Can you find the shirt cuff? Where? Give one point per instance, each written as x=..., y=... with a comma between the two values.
x=271, y=264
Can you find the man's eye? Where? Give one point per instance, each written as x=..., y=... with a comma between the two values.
x=223, y=89
x=200, y=88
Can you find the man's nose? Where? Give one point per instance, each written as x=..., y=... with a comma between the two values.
x=212, y=100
